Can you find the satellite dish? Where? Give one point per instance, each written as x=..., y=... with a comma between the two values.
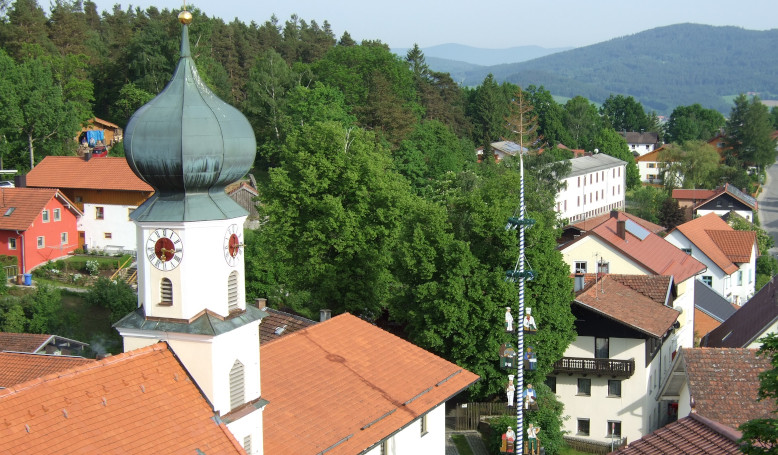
x=596, y=151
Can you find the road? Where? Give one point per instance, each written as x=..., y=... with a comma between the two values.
x=768, y=206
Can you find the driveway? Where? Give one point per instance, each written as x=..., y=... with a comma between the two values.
x=768, y=206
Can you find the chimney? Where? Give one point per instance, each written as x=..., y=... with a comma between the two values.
x=260, y=303
x=324, y=314
x=615, y=214
x=579, y=282
x=87, y=155
x=621, y=229
x=20, y=181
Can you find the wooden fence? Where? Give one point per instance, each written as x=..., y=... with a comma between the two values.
x=467, y=416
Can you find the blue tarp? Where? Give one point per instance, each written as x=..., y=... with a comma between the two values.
x=92, y=136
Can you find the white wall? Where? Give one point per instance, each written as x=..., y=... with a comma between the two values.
x=116, y=221
x=645, y=170
x=591, y=194
x=410, y=441
x=747, y=214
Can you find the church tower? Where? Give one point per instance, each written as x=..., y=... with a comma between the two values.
x=188, y=144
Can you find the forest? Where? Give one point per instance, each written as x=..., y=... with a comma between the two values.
x=371, y=197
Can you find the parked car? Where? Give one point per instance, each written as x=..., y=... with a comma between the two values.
x=7, y=184
x=100, y=150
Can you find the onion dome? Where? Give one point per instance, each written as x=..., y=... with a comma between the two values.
x=188, y=144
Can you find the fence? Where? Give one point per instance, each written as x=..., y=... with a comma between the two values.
x=595, y=447
x=467, y=416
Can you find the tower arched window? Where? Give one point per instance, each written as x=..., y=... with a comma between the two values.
x=166, y=291
x=232, y=291
x=237, y=386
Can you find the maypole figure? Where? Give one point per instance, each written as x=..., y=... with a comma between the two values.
x=510, y=391
x=529, y=321
x=532, y=439
x=508, y=320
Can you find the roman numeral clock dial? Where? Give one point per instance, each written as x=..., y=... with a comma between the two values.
x=164, y=249
x=233, y=244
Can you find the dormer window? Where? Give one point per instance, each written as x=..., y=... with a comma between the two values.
x=9, y=211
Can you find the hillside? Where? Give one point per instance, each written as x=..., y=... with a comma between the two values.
x=481, y=57
x=662, y=68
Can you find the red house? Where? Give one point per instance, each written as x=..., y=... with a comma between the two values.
x=36, y=225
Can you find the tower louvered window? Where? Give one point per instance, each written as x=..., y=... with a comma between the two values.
x=247, y=444
x=237, y=387
x=166, y=291
x=232, y=292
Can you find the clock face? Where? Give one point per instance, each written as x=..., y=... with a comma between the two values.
x=164, y=249
x=233, y=244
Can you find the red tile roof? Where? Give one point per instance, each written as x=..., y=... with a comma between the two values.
x=591, y=223
x=718, y=241
x=22, y=342
x=694, y=435
x=704, y=323
x=693, y=195
x=107, y=173
x=653, y=252
x=724, y=384
x=139, y=402
x=733, y=191
x=346, y=371
x=634, y=300
x=27, y=205
x=16, y=367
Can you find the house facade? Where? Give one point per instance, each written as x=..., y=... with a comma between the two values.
x=104, y=189
x=720, y=201
x=610, y=375
x=38, y=225
x=619, y=245
x=595, y=185
x=651, y=168
x=729, y=255
x=640, y=143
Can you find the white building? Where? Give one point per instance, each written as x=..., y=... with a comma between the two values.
x=595, y=185
x=650, y=167
x=609, y=378
x=640, y=143
x=729, y=255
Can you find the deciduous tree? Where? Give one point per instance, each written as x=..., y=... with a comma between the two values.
x=688, y=123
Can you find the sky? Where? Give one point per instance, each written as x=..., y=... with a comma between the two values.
x=494, y=24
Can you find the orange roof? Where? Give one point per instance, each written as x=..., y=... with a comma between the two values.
x=345, y=371
x=652, y=156
x=652, y=252
x=718, y=241
x=139, y=402
x=17, y=367
x=694, y=195
x=632, y=300
x=704, y=323
x=22, y=342
x=591, y=223
x=106, y=173
x=27, y=205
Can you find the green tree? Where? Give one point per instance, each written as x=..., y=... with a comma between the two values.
x=550, y=116
x=25, y=34
x=760, y=436
x=689, y=123
x=130, y=99
x=45, y=310
x=117, y=296
x=646, y=202
x=671, y=214
x=548, y=418
x=582, y=123
x=609, y=142
x=774, y=117
x=13, y=319
x=624, y=113
x=333, y=207
x=487, y=110
x=269, y=81
x=748, y=133
x=694, y=164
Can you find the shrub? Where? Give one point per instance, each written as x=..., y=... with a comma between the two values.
x=92, y=267
x=117, y=296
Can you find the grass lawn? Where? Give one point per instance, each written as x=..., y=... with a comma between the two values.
x=462, y=446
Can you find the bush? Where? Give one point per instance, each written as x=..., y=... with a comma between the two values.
x=117, y=296
x=92, y=267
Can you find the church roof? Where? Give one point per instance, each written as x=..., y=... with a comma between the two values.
x=205, y=323
x=347, y=370
x=188, y=144
x=139, y=402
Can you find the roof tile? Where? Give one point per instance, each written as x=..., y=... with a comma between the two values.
x=17, y=367
x=22, y=342
x=27, y=205
x=713, y=236
x=690, y=435
x=106, y=173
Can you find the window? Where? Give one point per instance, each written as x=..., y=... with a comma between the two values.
x=579, y=201
x=424, y=424
x=580, y=267
x=651, y=165
x=579, y=182
x=718, y=203
x=385, y=448
x=232, y=291
x=236, y=385
x=129, y=213
x=166, y=292
x=750, y=277
x=583, y=427
x=63, y=238
x=57, y=214
x=108, y=235
x=614, y=388
x=614, y=429
x=651, y=176
x=45, y=216
x=601, y=348
x=603, y=267
x=551, y=383
x=590, y=178
x=41, y=242
x=99, y=213
x=247, y=443
x=707, y=279
x=687, y=251
x=740, y=278
x=12, y=243
x=78, y=199
x=584, y=386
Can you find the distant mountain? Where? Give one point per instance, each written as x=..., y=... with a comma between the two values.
x=483, y=57
x=662, y=68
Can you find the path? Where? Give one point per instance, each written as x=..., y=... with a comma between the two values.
x=473, y=438
x=768, y=205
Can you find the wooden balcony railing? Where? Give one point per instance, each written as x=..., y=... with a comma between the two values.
x=600, y=367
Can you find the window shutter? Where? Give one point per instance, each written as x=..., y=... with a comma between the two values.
x=166, y=291
x=236, y=385
x=232, y=292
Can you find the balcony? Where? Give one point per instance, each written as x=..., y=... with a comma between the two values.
x=600, y=367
